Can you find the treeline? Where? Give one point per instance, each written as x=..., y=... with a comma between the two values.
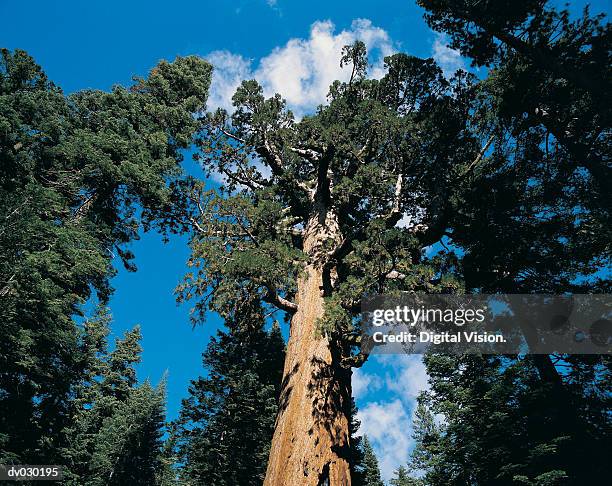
x=509, y=176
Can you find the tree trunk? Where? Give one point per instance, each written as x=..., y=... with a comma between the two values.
x=311, y=438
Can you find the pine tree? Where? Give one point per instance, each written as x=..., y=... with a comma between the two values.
x=226, y=423
x=501, y=427
x=73, y=171
x=116, y=427
x=403, y=479
x=370, y=471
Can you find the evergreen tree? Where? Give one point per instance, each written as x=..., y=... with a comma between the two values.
x=501, y=427
x=226, y=424
x=542, y=220
x=356, y=451
x=322, y=230
x=370, y=471
x=73, y=171
x=403, y=479
x=116, y=427
x=128, y=446
x=542, y=104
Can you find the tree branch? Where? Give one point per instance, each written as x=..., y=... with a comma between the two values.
x=479, y=157
x=273, y=298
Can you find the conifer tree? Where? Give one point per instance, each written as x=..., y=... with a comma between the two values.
x=128, y=446
x=543, y=223
x=541, y=102
x=73, y=170
x=501, y=427
x=356, y=453
x=225, y=426
x=402, y=478
x=322, y=230
x=370, y=471
x=116, y=426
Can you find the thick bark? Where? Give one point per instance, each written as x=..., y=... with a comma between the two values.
x=311, y=438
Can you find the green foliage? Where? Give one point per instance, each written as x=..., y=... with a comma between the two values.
x=402, y=478
x=225, y=427
x=116, y=427
x=73, y=171
x=502, y=424
x=540, y=208
x=329, y=191
x=536, y=219
x=128, y=445
x=369, y=475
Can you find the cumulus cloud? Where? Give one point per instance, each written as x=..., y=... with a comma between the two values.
x=387, y=425
x=448, y=59
x=301, y=70
x=398, y=380
x=408, y=377
x=364, y=383
x=230, y=70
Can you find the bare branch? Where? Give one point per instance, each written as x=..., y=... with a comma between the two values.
x=273, y=298
x=395, y=275
x=309, y=154
x=5, y=290
x=397, y=197
x=479, y=157
x=363, y=149
x=242, y=179
x=231, y=135
x=83, y=209
x=271, y=156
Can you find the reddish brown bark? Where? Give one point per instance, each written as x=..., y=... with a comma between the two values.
x=311, y=439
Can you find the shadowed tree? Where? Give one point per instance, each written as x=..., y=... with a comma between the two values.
x=308, y=222
x=73, y=171
x=501, y=427
x=225, y=426
x=551, y=74
x=541, y=209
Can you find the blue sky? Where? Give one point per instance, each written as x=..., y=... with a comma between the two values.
x=289, y=46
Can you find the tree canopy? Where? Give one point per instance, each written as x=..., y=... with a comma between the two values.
x=79, y=175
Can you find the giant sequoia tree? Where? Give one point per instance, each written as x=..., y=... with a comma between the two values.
x=308, y=222
x=75, y=172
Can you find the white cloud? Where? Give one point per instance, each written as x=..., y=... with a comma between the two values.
x=388, y=426
x=448, y=59
x=230, y=70
x=364, y=383
x=398, y=379
x=301, y=70
x=408, y=377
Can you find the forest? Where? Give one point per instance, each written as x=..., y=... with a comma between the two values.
x=503, y=169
